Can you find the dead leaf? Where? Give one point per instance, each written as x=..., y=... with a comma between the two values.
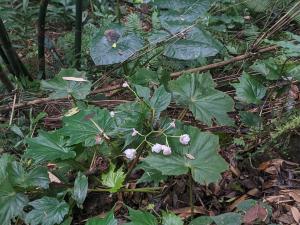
x=78, y=79
x=186, y=211
x=53, y=178
x=255, y=213
x=296, y=214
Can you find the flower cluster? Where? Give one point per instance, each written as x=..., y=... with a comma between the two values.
x=156, y=148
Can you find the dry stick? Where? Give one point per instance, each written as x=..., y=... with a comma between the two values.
x=279, y=23
x=176, y=74
x=226, y=62
x=4, y=79
x=41, y=38
x=78, y=33
x=14, y=60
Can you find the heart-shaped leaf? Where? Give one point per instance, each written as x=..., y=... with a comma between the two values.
x=249, y=90
x=47, y=211
x=59, y=87
x=113, y=45
x=206, y=165
x=48, y=146
x=197, y=92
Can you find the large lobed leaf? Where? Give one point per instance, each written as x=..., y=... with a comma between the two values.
x=88, y=126
x=197, y=92
x=206, y=165
x=59, y=87
x=48, y=146
x=47, y=211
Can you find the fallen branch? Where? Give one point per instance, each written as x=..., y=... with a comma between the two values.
x=226, y=62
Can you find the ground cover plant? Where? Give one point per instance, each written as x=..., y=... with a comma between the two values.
x=149, y=112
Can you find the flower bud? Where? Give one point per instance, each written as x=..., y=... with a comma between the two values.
x=184, y=139
x=156, y=148
x=130, y=153
x=166, y=150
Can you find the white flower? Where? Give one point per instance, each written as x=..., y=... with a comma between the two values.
x=130, y=153
x=172, y=124
x=134, y=132
x=184, y=139
x=112, y=114
x=156, y=148
x=166, y=150
x=125, y=85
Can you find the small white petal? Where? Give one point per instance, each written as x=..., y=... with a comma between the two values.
x=156, y=148
x=134, y=132
x=125, y=85
x=184, y=139
x=166, y=150
x=112, y=114
x=130, y=153
x=172, y=124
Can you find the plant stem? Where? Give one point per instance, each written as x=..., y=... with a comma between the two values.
x=118, y=11
x=12, y=57
x=4, y=79
x=78, y=34
x=148, y=190
x=191, y=193
x=41, y=38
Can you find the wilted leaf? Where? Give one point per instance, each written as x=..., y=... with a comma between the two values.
x=197, y=92
x=256, y=212
x=47, y=211
x=67, y=82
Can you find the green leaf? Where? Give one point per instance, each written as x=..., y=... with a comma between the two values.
x=143, y=92
x=228, y=219
x=207, y=165
x=160, y=100
x=152, y=174
x=114, y=46
x=249, y=90
x=5, y=160
x=11, y=203
x=144, y=77
x=48, y=146
x=128, y=116
x=138, y=217
x=196, y=43
x=202, y=220
x=250, y=119
x=171, y=219
x=197, y=92
x=113, y=179
x=37, y=177
x=268, y=68
x=80, y=189
x=294, y=72
x=108, y=220
x=89, y=126
x=47, y=211
x=62, y=88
